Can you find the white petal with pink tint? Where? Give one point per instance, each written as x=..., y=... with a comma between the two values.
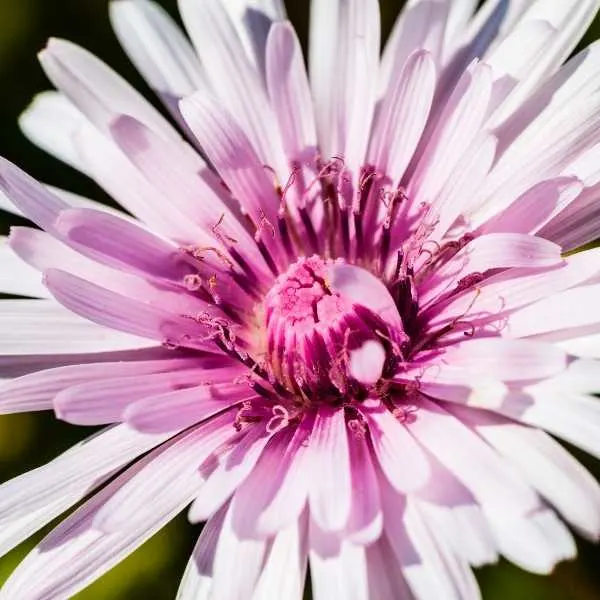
x=157, y=47
x=556, y=315
x=45, y=327
x=37, y=390
x=235, y=81
x=224, y=472
x=491, y=480
x=97, y=91
x=398, y=453
x=341, y=573
x=550, y=469
x=490, y=251
x=507, y=360
x=248, y=555
x=50, y=122
x=513, y=289
x=402, y=114
x=17, y=277
x=289, y=91
x=105, y=401
x=32, y=500
x=283, y=574
x=197, y=579
x=535, y=543
x=330, y=491
x=182, y=408
x=164, y=483
x=75, y=553
x=573, y=417
x=457, y=128
x=278, y=500
x=420, y=26
x=233, y=156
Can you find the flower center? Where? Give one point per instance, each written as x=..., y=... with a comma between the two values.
x=320, y=338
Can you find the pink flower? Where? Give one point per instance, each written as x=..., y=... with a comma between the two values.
x=338, y=335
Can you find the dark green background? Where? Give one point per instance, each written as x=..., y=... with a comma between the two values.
x=29, y=440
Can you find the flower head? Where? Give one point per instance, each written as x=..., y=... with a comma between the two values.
x=338, y=319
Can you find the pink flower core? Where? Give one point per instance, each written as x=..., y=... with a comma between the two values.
x=315, y=333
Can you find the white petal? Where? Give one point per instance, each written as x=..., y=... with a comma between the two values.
x=17, y=277
x=157, y=47
x=32, y=500
x=45, y=327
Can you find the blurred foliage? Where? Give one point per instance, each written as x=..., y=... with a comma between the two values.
x=27, y=441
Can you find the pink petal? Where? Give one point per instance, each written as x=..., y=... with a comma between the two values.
x=158, y=48
x=490, y=479
x=122, y=313
x=35, y=201
x=399, y=455
x=121, y=244
x=37, y=390
x=225, y=471
x=184, y=178
x=98, y=92
x=43, y=327
x=365, y=523
x=535, y=207
x=289, y=92
x=32, y=500
x=276, y=492
x=330, y=492
x=106, y=400
x=232, y=154
x=181, y=408
x=166, y=482
x=234, y=80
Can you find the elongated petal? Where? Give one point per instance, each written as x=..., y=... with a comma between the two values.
x=158, y=48
x=330, y=493
x=122, y=313
x=168, y=481
x=106, y=401
x=275, y=493
x=468, y=457
x=45, y=327
x=391, y=442
x=32, y=500
x=98, y=92
x=181, y=408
